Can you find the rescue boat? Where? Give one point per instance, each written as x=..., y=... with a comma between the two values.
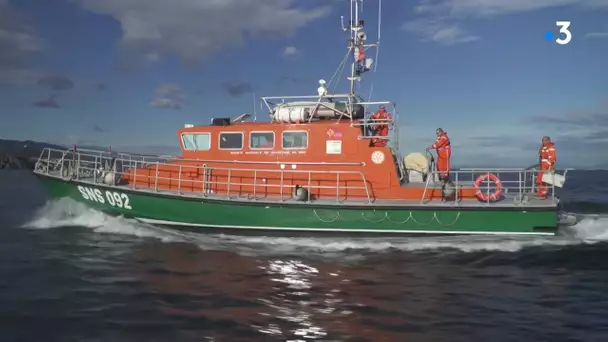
x=314, y=165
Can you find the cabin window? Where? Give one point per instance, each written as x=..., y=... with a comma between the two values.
x=231, y=141
x=295, y=139
x=196, y=141
x=261, y=140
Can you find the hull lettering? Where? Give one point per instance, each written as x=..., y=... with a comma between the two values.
x=113, y=198
x=117, y=199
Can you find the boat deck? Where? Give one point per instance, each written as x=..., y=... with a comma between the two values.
x=533, y=201
x=80, y=167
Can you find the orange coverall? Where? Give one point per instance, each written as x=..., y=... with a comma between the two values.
x=444, y=152
x=547, y=158
x=382, y=130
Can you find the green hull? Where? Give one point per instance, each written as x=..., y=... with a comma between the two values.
x=158, y=208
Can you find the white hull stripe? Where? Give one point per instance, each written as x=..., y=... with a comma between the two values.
x=175, y=223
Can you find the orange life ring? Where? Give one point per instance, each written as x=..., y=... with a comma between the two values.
x=492, y=196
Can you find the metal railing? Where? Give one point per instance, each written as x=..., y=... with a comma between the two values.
x=516, y=184
x=146, y=172
x=155, y=173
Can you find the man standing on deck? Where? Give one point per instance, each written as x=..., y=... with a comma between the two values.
x=444, y=152
x=546, y=162
x=382, y=119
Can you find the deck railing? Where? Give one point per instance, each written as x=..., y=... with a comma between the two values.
x=516, y=184
x=93, y=166
x=145, y=172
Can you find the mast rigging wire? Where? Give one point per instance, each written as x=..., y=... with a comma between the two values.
x=339, y=70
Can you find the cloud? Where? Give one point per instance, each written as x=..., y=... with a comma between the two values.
x=238, y=89
x=439, y=31
x=580, y=133
x=581, y=136
x=290, y=51
x=166, y=103
x=18, y=42
x=169, y=96
x=588, y=119
x=194, y=30
x=55, y=82
x=290, y=80
x=98, y=129
x=19, y=76
x=596, y=35
x=48, y=103
x=461, y=9
x=440, y=21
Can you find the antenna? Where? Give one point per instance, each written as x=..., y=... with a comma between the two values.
x=254, y=113
x=356, y=43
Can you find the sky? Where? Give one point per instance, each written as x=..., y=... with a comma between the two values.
x=129, y=73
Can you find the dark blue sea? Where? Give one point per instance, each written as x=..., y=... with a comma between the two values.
x=69, y=273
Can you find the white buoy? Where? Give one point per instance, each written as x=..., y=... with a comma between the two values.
x=109, y=178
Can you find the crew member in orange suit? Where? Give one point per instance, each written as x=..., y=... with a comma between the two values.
x=381, y=129
x=444, y=152
x=546, y=162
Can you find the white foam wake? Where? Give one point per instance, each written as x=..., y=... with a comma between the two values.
x=592, y=227
x=69, y=213
x=66, y=212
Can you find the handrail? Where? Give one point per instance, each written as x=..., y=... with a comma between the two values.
x=521, y=183
x=275, y=163
x=111, y=154
x=167, y=163
x=484, y=169
x=429, y=177
x=282, y=172
x=128, y=164
x=372, y=122
x=517, y=184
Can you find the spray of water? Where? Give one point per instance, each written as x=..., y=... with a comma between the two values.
x=66, y=212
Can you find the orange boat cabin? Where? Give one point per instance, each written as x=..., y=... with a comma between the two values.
x=331, y=159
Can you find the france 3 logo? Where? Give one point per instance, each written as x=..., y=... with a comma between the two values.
x=564, y=37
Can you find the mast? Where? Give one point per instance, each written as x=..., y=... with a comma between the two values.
x=356, y=43
x=306, y=108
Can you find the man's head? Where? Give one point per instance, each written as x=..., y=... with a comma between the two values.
x=546, y=140
x=381, y=108
x=439, y=131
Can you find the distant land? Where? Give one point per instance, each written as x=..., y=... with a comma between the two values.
x=15, y=154
x=23, y=154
